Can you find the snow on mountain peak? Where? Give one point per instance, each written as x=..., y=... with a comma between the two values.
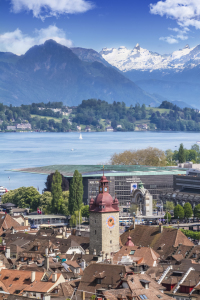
x=143, y=59
x=186, y=47
x=137, y=46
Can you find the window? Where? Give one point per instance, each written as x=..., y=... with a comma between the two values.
x=111, y=232
x=95, y=232
x=132, y=252
x=110, y=242
x=143, y=297
x=159, y=296
x=99, y=280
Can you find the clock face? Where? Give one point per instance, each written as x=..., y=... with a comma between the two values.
x=100, y=189
x=105, y=189
x=110, y=222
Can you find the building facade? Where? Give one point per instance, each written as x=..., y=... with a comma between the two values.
x=104, y=222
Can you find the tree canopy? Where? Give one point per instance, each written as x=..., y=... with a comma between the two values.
x=48, y=183
x=181, y=154
x=56, y=191
x=178, y=212
x=149, y=157
x=75, y=193
x=197, y=211
x=187, y=210
x=23, y=197
x=167, y=216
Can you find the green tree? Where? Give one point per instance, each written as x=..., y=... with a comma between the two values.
x=8, y=197
x=76, y=193
x=76, y=218
x=197, y=211
x=181, y=154
x=178, y=212
x=167, y=216
x=187, y=210
x=24, y=197
x=85, y=211
x=45, y=202
x=64, y=208
x=169, y=156
x=56, y=191
x=169, y=206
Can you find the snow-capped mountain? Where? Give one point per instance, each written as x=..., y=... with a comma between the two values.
x=143, y=59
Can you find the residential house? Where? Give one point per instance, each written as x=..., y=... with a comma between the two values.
x=137, y=255
x=109, y=129
x=24, y=126
x=135, y=287
x=29, y=283
x=11, y=127
x=162, y=240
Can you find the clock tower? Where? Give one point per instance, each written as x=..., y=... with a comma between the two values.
x=104, y=221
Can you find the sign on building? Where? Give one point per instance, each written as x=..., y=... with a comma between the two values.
x=133, y=186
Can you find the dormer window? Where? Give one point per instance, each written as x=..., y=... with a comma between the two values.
x=145, y=283
x=98, y=280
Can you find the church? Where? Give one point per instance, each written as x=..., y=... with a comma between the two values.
x=104, y=222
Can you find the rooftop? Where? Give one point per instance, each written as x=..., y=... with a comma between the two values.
x=109, y=170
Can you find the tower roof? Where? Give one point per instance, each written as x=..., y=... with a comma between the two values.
x=104, y=201
x=129, y=242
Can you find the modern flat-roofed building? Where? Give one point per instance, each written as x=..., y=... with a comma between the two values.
x=122, y=178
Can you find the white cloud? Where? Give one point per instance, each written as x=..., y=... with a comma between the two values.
x=185, y=12
x=18, y=42
x=169, y=39
x=47, y=8
x=181, y=33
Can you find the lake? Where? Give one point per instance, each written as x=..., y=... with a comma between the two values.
x=34, y=149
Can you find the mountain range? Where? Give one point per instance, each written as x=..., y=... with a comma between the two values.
x=53, y=72
x=175, y=76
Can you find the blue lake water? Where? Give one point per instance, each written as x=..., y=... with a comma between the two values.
x=23, y=150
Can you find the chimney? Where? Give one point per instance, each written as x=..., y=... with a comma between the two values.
x=94, y=252
x=46, y=262
x=160, y=227
x=54, y=277
x=32, y=276
x=26, y=222
x=83, y=295
x=46, y=251
x=7, y=254
x=83, y=264
x=87, y=251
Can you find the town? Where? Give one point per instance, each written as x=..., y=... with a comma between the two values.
x=112, y=243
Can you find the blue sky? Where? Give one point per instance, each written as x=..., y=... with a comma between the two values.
x=160, y=26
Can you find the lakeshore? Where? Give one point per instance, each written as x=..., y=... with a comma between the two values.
x=34, y=149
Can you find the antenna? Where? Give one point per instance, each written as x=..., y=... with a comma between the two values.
x=103, y=170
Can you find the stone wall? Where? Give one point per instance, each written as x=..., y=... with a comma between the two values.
x=104, y=238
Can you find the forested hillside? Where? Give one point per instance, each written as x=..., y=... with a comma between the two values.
x=99, y=115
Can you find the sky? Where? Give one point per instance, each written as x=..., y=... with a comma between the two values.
x=159, y=26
